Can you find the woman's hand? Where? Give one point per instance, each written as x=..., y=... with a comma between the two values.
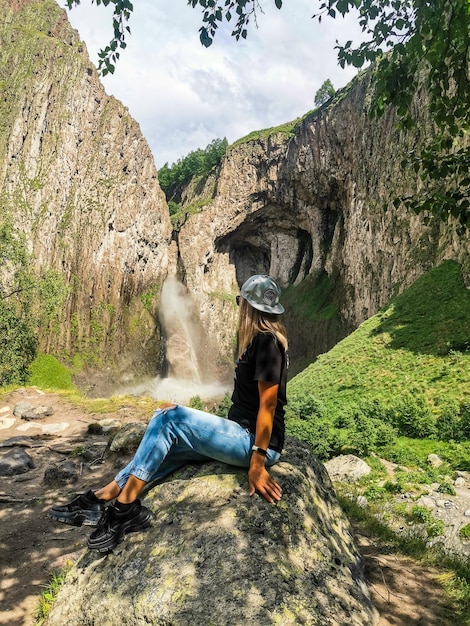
x=260, y=481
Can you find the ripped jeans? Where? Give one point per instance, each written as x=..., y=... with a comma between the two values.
x=178, y=435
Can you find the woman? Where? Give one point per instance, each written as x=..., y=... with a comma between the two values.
x=252, y=436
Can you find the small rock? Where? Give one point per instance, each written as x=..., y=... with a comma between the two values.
x=37, y=413
x=347, y=468
x=362, y=502
x=128, y=438
x=459, y=482
x=15, y=462
x=63, y=474
x=441, y=503
x=6, y=422
x=427, y=502
x=21, y=408
x=434, y=460
x=108, y=425
x=467, y=513
x=20, y=442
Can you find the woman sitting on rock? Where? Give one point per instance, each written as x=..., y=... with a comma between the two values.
x=252, y=436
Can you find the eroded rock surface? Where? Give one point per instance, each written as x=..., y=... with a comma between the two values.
x=216, y=556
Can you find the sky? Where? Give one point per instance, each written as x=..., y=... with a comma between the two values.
x=184, y=95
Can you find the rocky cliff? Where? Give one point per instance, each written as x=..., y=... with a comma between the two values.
x=313, y=207
x=80, y=181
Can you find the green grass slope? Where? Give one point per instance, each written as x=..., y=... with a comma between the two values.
x=403, y=372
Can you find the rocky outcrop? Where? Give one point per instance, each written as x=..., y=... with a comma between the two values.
x=315, y=209
x=80, y=181
x=216, y=556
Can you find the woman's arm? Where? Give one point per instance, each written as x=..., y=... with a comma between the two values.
x=258, y=476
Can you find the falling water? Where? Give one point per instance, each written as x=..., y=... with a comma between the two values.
x=184, y=351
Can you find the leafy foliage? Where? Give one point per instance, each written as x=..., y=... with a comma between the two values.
x=414, y=43
x=325, y=92
x=26, y=301
x=197, y=163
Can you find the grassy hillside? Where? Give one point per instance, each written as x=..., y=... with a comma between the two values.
x=403, y=372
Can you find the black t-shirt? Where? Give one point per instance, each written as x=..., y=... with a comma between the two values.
x=263, y=360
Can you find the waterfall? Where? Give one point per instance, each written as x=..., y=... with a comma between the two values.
x=185, y=356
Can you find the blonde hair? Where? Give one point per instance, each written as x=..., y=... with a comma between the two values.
x=252, y=322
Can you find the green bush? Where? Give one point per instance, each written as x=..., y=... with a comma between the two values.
x=222, y=408
x=446, y=488
x=449, y=423
x=196, y=163
x=306, y=407
x=317, y=434
x=421, y=514
x=464, y=532
x=412, y=417
x=196, y=403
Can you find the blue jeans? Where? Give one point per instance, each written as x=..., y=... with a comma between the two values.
x=178, y=435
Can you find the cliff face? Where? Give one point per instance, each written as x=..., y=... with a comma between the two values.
x=316, y=210
x=80, y=180
x=308, y=208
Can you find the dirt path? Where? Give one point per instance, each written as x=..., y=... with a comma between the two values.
x=405, y=593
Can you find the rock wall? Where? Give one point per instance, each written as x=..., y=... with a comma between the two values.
x=216, y=556
x=315, y=209
x=80, y=180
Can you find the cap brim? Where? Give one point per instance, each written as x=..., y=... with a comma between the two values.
x=277, y=309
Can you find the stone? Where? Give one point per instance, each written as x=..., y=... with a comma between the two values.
x=216, y=556
x=128, y=437
x=467, y=513
x=108, y=425
x=15, y=462
x=6, y=422
x=427, y=502
x=362, y=502
x=37, y=413
x=21, y=442
x=460, y=481
x=347, y=468
x=434, y=460
x=64, y=473
x=22, y=407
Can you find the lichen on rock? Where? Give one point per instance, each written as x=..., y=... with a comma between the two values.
x=216, y=556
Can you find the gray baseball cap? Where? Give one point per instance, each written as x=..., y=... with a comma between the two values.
x=263, y=293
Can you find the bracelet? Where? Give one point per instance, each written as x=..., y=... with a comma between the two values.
x=259, y=450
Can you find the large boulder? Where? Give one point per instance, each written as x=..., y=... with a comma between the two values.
x=216, y=556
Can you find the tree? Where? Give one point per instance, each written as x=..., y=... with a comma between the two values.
x=325, y=92
x=412, y=43
x=409, y=42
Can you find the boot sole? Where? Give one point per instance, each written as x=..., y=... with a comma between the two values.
x=109, y=544
x=76, y=519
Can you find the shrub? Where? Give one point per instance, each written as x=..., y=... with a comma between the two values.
x=464, y=532
x=393, y=486
x=449, y=423
x=412, y=417
x=196, y=403
x=316, y=433
x=421, y=514
x=446, y=488
x=307, y=407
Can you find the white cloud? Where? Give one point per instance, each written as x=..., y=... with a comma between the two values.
x=184, y=95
